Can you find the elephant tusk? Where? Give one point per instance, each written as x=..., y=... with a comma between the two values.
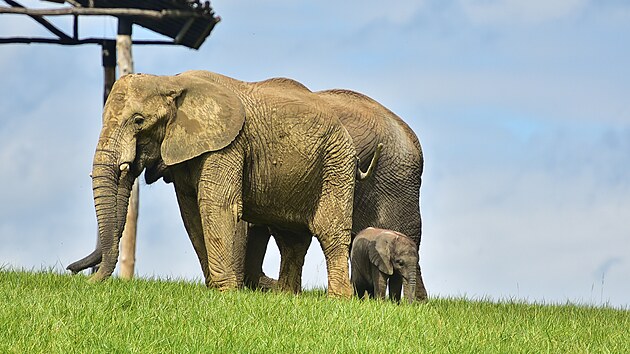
x=124, y=166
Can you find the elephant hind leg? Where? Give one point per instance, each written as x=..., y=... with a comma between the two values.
x=189, y=210
x=266, y=283
x=257, y=242
x=421, y=291
x=220, y=230
x=335, y=247
x=293, y=247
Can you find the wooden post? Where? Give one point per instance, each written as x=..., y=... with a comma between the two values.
x=128, y=240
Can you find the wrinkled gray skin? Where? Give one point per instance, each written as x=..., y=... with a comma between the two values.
x=390, y=199
x=377, y=255
x=234, y=151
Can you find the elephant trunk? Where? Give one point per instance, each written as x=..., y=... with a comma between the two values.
x=111, y=188
x=409, y=286
x=111, y=185
x=88, y=261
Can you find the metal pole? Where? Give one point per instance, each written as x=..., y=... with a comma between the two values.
x=109, y=66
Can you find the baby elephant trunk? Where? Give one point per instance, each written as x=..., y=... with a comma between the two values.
x=409, y=287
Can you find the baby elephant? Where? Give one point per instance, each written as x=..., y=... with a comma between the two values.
x=379, y=255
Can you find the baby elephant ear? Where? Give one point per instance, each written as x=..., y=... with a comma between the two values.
x=208, y=118
x=380, y=256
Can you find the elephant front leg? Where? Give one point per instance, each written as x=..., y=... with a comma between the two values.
x=219, y=231
x=219, y=200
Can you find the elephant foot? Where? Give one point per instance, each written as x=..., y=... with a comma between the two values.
x=421, y=295
x=96, y=278
x=262, y=283
x=340, y=294
x=266, y=284
x=341, y=290
x=222, y=283
x=289, y=284
x=102, y=274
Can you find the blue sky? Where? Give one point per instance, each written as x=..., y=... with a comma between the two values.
x=522, y=109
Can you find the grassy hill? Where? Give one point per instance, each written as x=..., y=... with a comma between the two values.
x=52, y=313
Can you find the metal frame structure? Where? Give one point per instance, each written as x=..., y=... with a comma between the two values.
x=186, y=22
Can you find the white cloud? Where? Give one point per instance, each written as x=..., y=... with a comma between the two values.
x=528, y=233
x=518, y=12
x=362, y=13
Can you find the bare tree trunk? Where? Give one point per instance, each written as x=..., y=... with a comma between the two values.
x=128, y=240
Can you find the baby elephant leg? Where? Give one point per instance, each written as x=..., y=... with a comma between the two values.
x=395, y=287
x=380, y=283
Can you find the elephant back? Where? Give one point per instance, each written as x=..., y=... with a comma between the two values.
x=390, y=199
x=282, y=83
x=370, y=123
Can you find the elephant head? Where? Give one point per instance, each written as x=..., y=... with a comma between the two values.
x=151, y=123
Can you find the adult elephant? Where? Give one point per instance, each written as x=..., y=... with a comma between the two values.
x=390, y=199
x=234, y=151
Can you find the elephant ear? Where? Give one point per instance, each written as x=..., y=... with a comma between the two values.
x=380, y=256
x=209, y=117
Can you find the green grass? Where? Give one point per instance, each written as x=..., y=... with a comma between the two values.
x=44, y=312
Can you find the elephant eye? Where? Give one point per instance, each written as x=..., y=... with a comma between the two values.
x=138, y=120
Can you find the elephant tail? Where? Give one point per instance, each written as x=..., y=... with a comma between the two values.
x=364, y=175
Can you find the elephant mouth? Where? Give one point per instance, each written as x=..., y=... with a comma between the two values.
x=156, y=171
